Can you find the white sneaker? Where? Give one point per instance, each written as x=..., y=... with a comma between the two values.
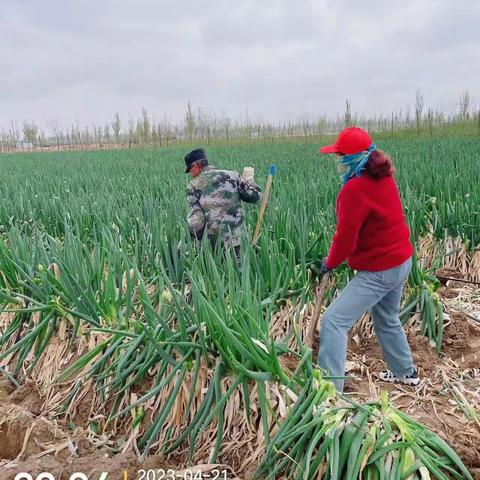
x=413, y=379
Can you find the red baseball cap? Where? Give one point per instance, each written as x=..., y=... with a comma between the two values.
x=350, y=140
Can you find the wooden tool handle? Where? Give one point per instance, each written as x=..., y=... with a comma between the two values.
x=266, y=195
x=312, y=324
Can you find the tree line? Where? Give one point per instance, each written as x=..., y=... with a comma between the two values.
x=206, y=127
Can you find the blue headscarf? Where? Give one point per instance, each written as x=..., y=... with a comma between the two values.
x=356, y=163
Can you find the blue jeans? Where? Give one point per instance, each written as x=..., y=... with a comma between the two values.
x=381, y=293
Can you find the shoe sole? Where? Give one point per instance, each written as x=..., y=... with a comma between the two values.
x=409, y=382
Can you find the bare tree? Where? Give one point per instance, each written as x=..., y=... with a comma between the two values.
x=87, y=137
x=106, y=133
x=464, y=104
x=419, y=104
x=42, y=139
x=116, y=127
x=76, y=138
x=131, y=132
x=97, y=135
x=5, y=139
x=227, y=128
x=305, y=124
x=14, y=131
x=169, y=132
x=348, y=113
x=159, y=133
x=30, y=131
x=408, y=120
x=142, y=128
x=190, y=123
x=139, y=131
x=56, y=132
x=154, y=135
x=430, y=117
x=145, y=127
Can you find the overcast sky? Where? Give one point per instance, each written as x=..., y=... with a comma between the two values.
x=80, y=61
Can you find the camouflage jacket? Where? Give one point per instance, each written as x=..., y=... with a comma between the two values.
x=215, y=199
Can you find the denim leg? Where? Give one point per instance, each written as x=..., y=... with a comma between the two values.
x=361, y=294
x=391, y=335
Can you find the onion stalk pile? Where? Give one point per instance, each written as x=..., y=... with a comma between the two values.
x=324, y=437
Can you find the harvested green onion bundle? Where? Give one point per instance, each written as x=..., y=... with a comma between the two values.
x=324, y=437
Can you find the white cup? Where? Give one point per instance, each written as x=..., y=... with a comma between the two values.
x=248, y=173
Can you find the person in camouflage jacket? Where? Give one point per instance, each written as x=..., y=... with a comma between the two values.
x=214, y=197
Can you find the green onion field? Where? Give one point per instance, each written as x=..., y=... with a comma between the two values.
x=124, y=338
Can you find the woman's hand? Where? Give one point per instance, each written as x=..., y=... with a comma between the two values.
x=324, y=269
x=319, y=268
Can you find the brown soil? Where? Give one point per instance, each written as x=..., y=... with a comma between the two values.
x=33, y=444
x=6, y=388
x=28, y=397
x=23, y=434
x=462, y=342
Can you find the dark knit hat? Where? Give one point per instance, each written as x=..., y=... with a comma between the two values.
x=194, y=156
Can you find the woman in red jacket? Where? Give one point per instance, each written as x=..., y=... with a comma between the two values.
x=374, y=239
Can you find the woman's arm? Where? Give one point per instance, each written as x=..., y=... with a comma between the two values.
x=351, y=213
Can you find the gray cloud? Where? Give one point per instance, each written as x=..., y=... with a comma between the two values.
x=79, y=61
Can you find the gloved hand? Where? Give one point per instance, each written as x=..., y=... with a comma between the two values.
x=323, y=268
x=248, y=174
x=319, y=268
